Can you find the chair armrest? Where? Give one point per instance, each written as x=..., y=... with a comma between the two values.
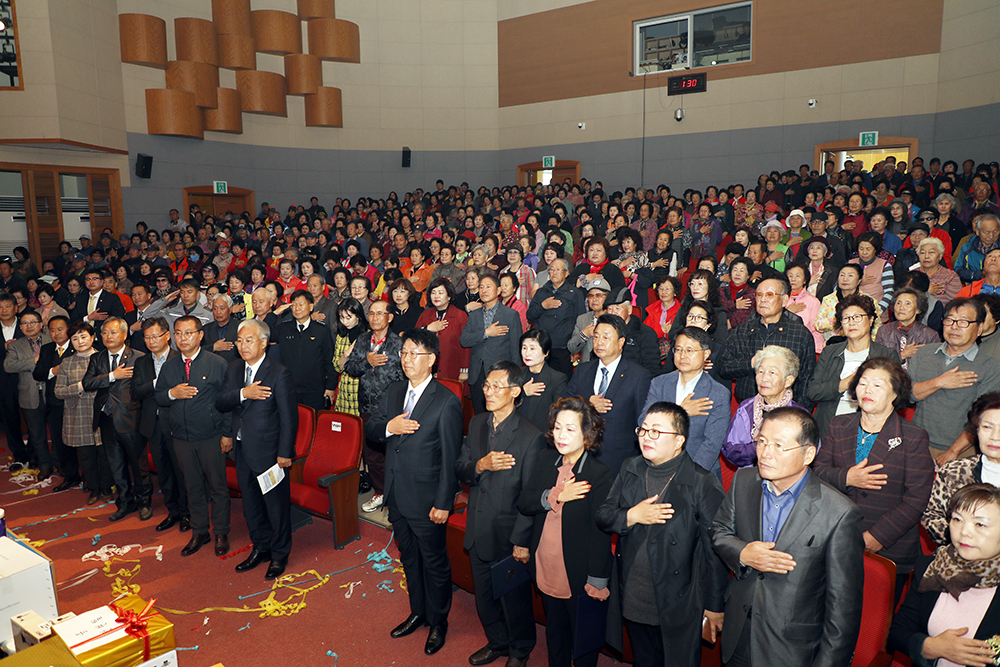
x=881, y=659
x=299, y=459
x=326, y=480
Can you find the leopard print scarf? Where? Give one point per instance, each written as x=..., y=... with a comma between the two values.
x=950, y=573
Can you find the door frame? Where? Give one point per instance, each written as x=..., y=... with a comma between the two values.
x=524, y=169
x=912, y=144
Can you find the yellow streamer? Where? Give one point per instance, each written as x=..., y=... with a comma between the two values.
x=122, y=584
x=271, y=606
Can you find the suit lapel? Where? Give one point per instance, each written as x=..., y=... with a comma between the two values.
x=750, y=499
x=425, y=399
x=616, y=380
x=802, y=513
x=888, y=439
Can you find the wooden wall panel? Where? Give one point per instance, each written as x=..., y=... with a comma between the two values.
x=316, y=9
x=593, y=41
x=231, y=17
x=196, y=40
x=237, y=52
x=333, y=39
x=143, y=40
x=174, y=113
x=275, y=32
x=228, y=116
x=303, y=74
x=99, y=192
x=262, y=92
x=325, y=108
x=43, y=208
x=201, y=79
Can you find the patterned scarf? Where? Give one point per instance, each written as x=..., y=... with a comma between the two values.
x=952, y=574
x=760, y=407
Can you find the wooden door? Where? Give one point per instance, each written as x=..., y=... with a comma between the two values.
x=44, y=212
x=235, y=203
x=205, y=202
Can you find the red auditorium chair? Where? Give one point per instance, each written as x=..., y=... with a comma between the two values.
x=876, y=613
x=329, y=485
x=303, y=441
x=458, y=388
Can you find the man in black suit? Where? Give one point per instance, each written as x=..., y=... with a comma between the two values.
x=188, y=384
x=220, y=334
x=307, y=351
x=46, y=370
x=146, y=307
x=153, y=423
x=497, y=460
x=493, y=332
x=8, y=386
x=641, y=344
x=616, y=387
x=420, y=481
x=94, y=304
x=116, y=412
x=259, y=392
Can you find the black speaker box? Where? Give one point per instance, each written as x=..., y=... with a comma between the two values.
x=406, y=157
x=143, y=165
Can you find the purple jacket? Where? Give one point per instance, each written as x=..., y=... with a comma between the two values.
x=738, y=447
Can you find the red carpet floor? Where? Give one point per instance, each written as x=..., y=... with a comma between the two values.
x=311, y=616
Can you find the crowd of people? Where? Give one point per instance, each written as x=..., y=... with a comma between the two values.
x=601, y=339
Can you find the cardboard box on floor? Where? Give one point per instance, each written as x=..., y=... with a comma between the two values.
x=27, y=583
x=30, y=628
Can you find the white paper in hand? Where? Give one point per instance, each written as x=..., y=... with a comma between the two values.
x=270, y=478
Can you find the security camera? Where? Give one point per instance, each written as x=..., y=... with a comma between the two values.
x=811, y=103
x=679, y=115
x=582, y=126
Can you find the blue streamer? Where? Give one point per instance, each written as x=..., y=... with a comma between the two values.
x=243, y=628
x=334, y=656
x=186, y=648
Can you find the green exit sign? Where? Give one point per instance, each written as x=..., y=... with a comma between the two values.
x=221, y=187
x=868, y=139
x=549, y=162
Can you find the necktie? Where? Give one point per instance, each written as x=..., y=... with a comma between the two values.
x=91, y=304
x=246, y=383
x=114, y=361
x=141, y=316
x=411, y=398
x=302, y=328
x=187, y=368
x=106, y=409
x=61, y=350
x=604, y=381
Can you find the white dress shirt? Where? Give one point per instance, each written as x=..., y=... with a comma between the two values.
x=612, y=367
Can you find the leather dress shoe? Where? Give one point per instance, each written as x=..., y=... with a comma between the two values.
x=485, y=656
x=65, y=485
x=93, y=498
x=276, y=569
x=122, y=512
x=145, y=513
x=197, y=542
x=185, y=524
x=516, y=662
x=44, y=474
x=221, y=545
x=408, y=627
x=435, y=638
x=253, y=560
x=167, y=523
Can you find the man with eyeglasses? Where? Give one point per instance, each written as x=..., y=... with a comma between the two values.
x=146, y=308
x=555, y=307
x=947, y=378
x=420, y=423
x=581, y=342
x=22, y=355
x=771, y=324
x=493, y=333
x=375, y=362
x=705, y=401
x=153, y=422
x=496, y=461
x=94, y=304
x=187, y=386
x=795, y=546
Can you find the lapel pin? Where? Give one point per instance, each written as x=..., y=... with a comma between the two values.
x=894, y=442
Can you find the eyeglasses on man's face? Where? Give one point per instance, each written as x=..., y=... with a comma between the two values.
x=955, y=322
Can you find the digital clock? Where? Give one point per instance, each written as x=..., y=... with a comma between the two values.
x=687, y=83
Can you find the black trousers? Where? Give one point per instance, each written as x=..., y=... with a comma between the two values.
x=96, y=471
x=423, y=551
x=203, y=466
x=65, y=455
x=741, y=655
x=268, y=515
x=647, y=644
x=312, y=399
x=559, y=359
x=129, y=464
x=509, y=622
x=560, y=630
x=168, y=472
x=374, y=458
x=478, y=397
x=38, y=444
x=12, y=420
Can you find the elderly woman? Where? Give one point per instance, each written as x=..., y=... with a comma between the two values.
x=876, y=265
x=447, y=320
x=670, y=582
x=570, y=555
x=404, y=306
x=78, y=414
x=848, y=283
x=802, y=303
x=739, y=297
x=776, y=368
x=822, y=276
x=984, y=422
x=777, y=252
x=906, y=334
x=597, y=263
x=947, y=218
x=704, y=287
x=543, y=385
x=881, y=462
x=703, y=233
x=945, y=283
x=951, y=615
x=661, y=313
x=837, y=364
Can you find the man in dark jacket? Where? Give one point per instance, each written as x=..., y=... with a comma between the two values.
x=496, y=462
x=555, y=307
x=641, y=343
x=189, y=384
x=492, y=332
x=46, y=370
x=307, y=352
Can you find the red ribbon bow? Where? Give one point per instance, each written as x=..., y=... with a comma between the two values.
x=136, y=623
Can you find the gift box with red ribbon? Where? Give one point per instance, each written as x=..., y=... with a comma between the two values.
x=125, y=633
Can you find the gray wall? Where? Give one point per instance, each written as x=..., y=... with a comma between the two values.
x=284, y=176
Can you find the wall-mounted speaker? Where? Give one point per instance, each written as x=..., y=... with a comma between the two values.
x=143, y=165
x=406, y=157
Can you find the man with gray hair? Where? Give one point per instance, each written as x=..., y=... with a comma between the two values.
x=554, y=308
x=969, y=264
x=260, y=395
x=220, y=335
x=116, y=413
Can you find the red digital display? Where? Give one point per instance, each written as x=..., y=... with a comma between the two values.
x=687, y=83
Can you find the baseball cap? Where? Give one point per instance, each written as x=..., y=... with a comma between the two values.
x=619, y=297
x=599, y=283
